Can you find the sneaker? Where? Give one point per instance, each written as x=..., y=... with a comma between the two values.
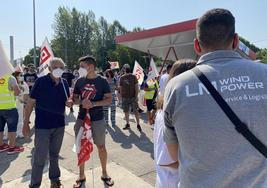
x=4, y=147
x=139, y=128
x=56, y=184
x=127, y=126
x=16, y=149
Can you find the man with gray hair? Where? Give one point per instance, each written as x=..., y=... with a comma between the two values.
x=49, y=96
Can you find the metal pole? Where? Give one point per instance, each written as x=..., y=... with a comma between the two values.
x=34, y=36
x=11, y=39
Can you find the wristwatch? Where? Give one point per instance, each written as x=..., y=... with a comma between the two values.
x=94, y=104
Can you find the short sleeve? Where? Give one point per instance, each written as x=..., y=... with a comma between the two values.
x=169, y=133
x=12, y=82
x=77, y=90
x=35, y=89
x=106, y=88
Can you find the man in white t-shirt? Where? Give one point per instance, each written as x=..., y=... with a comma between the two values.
x=163, y=80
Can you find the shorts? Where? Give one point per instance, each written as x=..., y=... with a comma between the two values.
x=9, y=117
x=150, y=104
x=98, y=130
x=167, y=177
x=129, y=102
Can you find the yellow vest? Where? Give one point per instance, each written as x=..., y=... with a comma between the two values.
x=151, y=85
x=7, y=98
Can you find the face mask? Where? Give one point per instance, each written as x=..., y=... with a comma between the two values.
x=57, y=73
x=82, y=72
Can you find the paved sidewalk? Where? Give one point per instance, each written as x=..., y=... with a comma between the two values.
x=122, y=177
x=130, y=158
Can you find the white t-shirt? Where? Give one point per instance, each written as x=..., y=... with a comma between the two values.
x=162, y=83
x=161, y=154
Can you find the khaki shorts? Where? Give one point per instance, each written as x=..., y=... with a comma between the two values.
x=98, y=130
x=131, y=102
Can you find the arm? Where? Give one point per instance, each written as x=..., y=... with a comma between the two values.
x=28, y=110
x=173, y=151
x=13, y=86
x=169, y=133
x=106, y=101
x=76, y=99
x=16, y=90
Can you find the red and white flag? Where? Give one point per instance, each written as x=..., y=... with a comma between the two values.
x=5, y=66
x=152, y=72
x=46, y=54
x=138, y=71
x=84, y=140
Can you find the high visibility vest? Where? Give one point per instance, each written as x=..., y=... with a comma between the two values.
x=7, y=98
x=150, y=94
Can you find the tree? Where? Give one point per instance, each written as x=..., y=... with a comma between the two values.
x=77, y=34
x=250, y=45
x=74, y=34
x=262, y=55
x=28, y=59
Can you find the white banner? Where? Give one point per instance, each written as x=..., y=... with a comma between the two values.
x=114, y=65
x=152, y=71
x=46, y=54
x=5, y=66
x=138, y=72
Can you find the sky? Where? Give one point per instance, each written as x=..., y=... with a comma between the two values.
x=16, y=17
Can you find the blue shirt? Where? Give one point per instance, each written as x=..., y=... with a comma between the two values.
x=50, y=102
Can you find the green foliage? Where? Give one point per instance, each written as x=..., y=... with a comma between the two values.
x=250, y=45
x=262, y=55
x=28, y=59
x=77, y=34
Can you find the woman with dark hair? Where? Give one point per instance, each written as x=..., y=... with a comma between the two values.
x=113, y=86
x=167, y=169
x=21, y=100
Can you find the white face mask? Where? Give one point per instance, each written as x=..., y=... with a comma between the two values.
x=57, y=73
x=82, y=72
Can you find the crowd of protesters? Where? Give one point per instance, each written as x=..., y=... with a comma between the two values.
x=195, y=143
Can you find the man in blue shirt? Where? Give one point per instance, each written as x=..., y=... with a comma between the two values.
x=49, y=96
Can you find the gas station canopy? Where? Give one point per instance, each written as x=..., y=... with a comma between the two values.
x=171, y=42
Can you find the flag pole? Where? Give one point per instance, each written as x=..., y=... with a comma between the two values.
x=34, y=36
